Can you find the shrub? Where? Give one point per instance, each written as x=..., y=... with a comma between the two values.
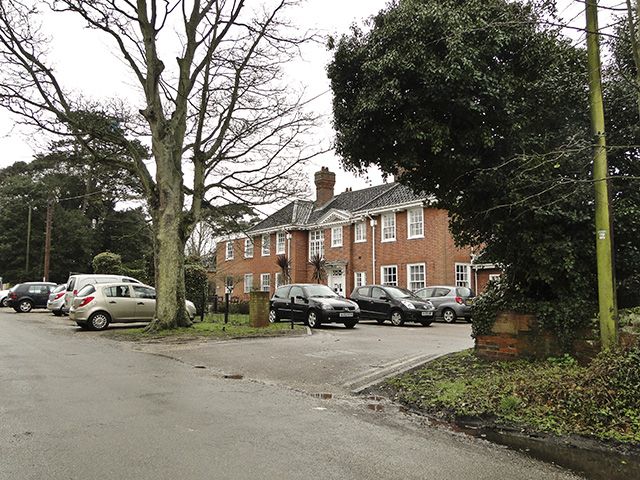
x=107, y=263
x=196, y=284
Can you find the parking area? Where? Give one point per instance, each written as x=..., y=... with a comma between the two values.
x=332, y=359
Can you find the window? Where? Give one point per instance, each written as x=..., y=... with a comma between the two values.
x=117, y=291
x=336, y=237
x=360, y=232
x=389, y=275
x=416, y=276
x=360, y=279
x=279, y=281
x=316, y=243
x=388, y=230
x=143, y=292
x=248, y=282
x=378, y=293
x=265, y=282
x=266, y=245
x=463, y=274
x=282, y=292
x=281, y=238
x=415, y=223
x=248, y=248
x=229, y=251
x=493, y=277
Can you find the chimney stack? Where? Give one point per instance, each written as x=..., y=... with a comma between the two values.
x=325, y=181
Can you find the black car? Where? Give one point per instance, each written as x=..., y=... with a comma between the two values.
x=26, y=296
x=313, y=304
x=398, y=305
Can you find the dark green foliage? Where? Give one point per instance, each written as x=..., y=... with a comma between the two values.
x=482, y=105
x=556, y=395
x=108, y=263
x=85, y=220
x=318, y=264
x=196, y=285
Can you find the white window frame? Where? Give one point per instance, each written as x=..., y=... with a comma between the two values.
x=360, y=232
x=281, y=243
x=336, y=236
x=460, y=274
x=494, y=277
x=265, y=286
x=279, y=279
x=266, y=251
x=414, y=285
x=228, y=254
x=359, y=279
x=316, y=245
x=387, y=222
x=248, y=282
x=420, y=222
x=383, y=274
x=248, y=248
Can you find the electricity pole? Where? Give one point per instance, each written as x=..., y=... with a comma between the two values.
x=604, y=244
x=26, y=261
x=47, y=240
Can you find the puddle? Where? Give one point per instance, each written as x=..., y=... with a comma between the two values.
x=594, y=464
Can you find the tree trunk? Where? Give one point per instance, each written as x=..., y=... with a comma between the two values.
x=170, y=242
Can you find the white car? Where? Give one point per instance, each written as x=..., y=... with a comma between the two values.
x=56, y=300
x=4, y=297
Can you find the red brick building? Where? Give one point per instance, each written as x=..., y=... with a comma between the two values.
x=383, y=234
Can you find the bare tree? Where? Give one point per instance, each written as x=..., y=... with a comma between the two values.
x=222, y=123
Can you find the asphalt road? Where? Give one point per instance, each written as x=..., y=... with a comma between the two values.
x=74, y=405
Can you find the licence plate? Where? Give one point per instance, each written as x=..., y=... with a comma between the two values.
x=346, y=314
x=427, y=314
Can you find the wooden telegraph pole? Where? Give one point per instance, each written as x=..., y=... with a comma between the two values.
x=604, y=243
x=47, y=240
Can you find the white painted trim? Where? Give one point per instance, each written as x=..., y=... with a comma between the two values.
x=382, y=267
x=424, y=266
x=409, y=236
x=395, y=227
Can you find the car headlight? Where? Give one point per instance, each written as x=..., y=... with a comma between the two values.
x=408, y=304
x=326, y=306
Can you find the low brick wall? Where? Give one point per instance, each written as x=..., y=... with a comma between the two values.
x=516, y=335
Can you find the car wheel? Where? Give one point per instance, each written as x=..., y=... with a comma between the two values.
x=397, y=319
x=5, y=302
x=99, y=321
x=273, y=316
x=448, y=315
x=57, y=313
x=83, y=325
x=350, y=324
x=25, y=306
x=312, y=319
x=380, y=321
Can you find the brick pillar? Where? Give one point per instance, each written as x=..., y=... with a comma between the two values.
x=259, y=309
x=325, y=180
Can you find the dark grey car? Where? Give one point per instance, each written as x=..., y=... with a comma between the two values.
x=398, y=305
x=451, y=302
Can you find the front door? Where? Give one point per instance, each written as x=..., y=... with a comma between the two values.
x=337, y=281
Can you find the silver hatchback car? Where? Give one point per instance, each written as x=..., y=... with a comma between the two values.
x=96, y=306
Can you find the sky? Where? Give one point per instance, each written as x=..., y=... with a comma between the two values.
x=100, y=75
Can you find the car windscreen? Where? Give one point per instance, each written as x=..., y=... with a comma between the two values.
x=86, y=290
x=320, y=291
x=397, y=292
x=465, y=292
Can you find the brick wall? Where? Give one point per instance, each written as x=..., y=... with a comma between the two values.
x=436, y=250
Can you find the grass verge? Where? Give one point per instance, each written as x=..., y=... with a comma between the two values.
x=601, y=400
x=213, y=326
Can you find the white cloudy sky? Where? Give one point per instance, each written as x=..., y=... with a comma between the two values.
x=99, y=74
